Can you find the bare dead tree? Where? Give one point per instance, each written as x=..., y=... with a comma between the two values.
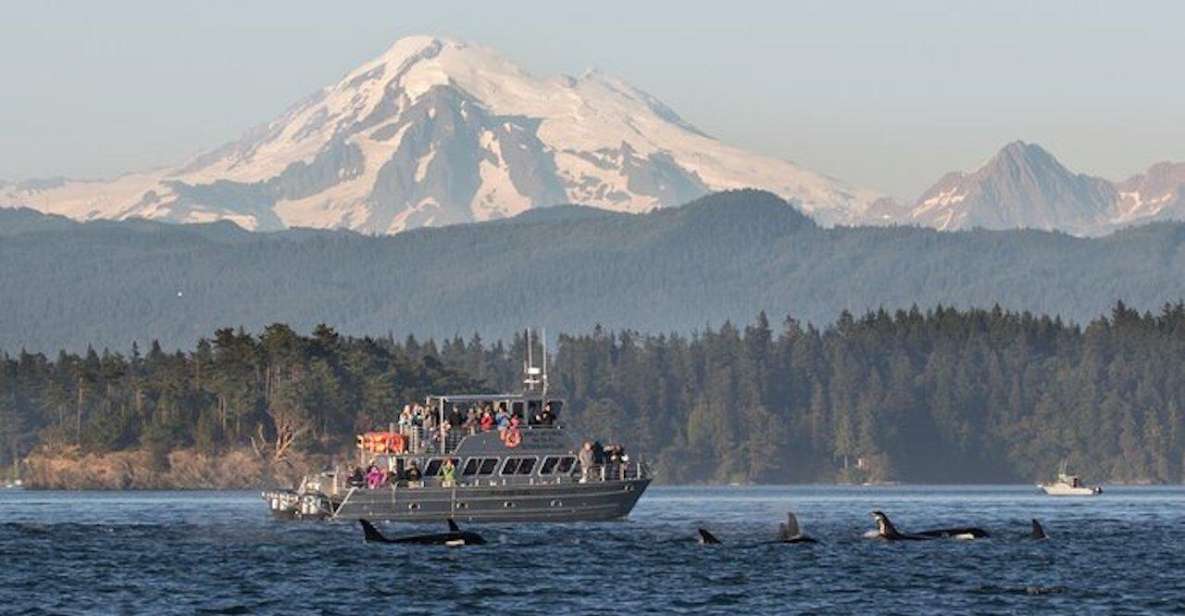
x=289, y=419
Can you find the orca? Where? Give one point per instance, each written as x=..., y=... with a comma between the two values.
x=455, y=537
x=706, y=538
x=791, y=533
x=885, y=530
x=788, y=532
x=1038, y=532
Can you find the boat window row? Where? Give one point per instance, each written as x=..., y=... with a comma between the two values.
x=525, y=465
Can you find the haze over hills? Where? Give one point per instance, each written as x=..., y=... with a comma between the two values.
x=434, y=132
x=726, y=256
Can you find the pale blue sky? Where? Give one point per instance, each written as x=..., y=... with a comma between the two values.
x=884, y=95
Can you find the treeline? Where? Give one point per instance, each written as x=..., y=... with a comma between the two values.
x=277, y=392
x=943, y=395
x=938, y=396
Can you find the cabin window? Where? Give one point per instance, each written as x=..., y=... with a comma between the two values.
x=510, y=466
x=526, y=466
x=487, y=466
x=566, y=464
x=534, y=407
x=433, y=468
x=548, y=465
x=517, y=409
x=471, y=466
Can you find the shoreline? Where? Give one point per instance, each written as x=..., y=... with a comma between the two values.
x=179, y=470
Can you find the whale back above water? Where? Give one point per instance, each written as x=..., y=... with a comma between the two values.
x=455, y=537
x=887, y=531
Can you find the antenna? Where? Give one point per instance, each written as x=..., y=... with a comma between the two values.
x=543, y=330
x=534, y=376
x=530, y=362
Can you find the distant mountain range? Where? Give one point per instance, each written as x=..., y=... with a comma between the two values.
x=568, y=268
x=436, y=132
x=1024, y=186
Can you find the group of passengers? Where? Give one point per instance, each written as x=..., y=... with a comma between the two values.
x=376, y=476
x=595, y=459
x=477, y=418
x=424, y=428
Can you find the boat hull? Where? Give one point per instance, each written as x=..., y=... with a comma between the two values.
x=561, y=502
x=1057, y=490
x=568, y=501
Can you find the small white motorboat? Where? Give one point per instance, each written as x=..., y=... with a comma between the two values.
x=1069, y=485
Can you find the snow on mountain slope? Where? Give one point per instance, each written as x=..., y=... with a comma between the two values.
x=1157, y=194
x=435, y=132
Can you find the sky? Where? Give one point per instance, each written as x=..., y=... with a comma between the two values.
x=884, y=95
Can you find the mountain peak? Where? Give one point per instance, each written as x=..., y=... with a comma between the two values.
x=436, y=131
x=1021, y=154
x=1023, y=186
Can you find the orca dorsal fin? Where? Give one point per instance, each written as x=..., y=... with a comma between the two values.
x=791, y=530
x=452, y=526
x=1038, y=531
x=706, y=538
x=884, y=525
x=370, y=533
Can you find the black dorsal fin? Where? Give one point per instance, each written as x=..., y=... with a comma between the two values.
x=1038, y=531
x=452, y=526
x=885, y=525
x=707, y=538
x=792, y=529
x=370, y=533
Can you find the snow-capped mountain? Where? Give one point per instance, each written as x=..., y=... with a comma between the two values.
x=436, y=131
x=1022, y=186
x=1157, y=194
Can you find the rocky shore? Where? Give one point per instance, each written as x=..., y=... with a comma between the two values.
x=184, y=469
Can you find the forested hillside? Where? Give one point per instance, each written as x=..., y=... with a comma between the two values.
x=937, y=396
x=724, y=257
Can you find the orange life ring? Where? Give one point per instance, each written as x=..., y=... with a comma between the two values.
x=512, y=437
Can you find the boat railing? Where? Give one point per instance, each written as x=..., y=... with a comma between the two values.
x=607, y=472
x=421, y=441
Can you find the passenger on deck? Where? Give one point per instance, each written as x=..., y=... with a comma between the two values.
x=487, y=421
x=471, y=422
x=454, y=417
x=503, y=419
x=405, y=420
x=448, y=473
x=545, y=418
x=374, y=477
x=585, y=456
x=413, y=472
x=357, y=478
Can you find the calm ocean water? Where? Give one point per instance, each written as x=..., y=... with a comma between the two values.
x=220, y=553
